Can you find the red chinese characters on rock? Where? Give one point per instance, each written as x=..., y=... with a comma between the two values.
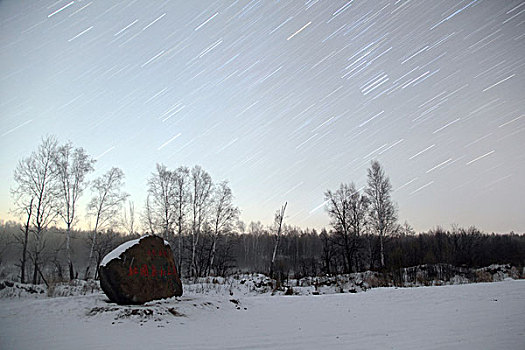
x=158, y=252
x=152, y=271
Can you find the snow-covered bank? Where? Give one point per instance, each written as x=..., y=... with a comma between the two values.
x=256, y=284
x=471, y=316
x=416, y=276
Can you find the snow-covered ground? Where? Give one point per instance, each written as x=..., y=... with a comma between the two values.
x=468, y=316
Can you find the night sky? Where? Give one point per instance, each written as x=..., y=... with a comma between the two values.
x=285, y=99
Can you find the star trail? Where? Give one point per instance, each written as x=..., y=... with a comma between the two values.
x=285, y=99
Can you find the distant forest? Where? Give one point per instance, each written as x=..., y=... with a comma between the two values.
x=301, y=253
x=197, y=216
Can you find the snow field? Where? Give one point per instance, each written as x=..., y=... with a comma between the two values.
x=471, y=316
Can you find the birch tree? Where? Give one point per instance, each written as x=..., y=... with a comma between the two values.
x=73, y=165
x=383, y=213
x=200, y=191
x=278, y=221
x=105, y=204
x=224, y=215
x=161, y=193
x=181, y=191
x=36, y=187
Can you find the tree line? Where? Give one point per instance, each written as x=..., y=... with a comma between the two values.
x=301, y=252
x=48, y=186
x=182, y=204
x=194, y=214
x=199, y=219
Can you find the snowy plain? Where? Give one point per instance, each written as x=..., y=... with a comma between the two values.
x=468, y=316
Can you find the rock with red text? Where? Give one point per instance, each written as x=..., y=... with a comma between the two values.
x=139, y=271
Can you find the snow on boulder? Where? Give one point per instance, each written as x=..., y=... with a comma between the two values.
x=139, y=271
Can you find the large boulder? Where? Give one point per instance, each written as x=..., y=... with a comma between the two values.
x=139, y=271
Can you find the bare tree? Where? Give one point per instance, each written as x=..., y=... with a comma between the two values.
x=73, y=165
x=161, y=192
x=255, y=231
x=359, y=204
x=278, y=221
x=328, y=251
x=147, y=217
x=383, y=213
x=406, y=229
x=224, y=215
x=128, y=218
x=181, y=182
x=347, y=208
x=225, y=258
x=36, y=179
x=200, y=192
x=23, y=208
x=105, y=242
x=105, y=204
x=340, y=211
